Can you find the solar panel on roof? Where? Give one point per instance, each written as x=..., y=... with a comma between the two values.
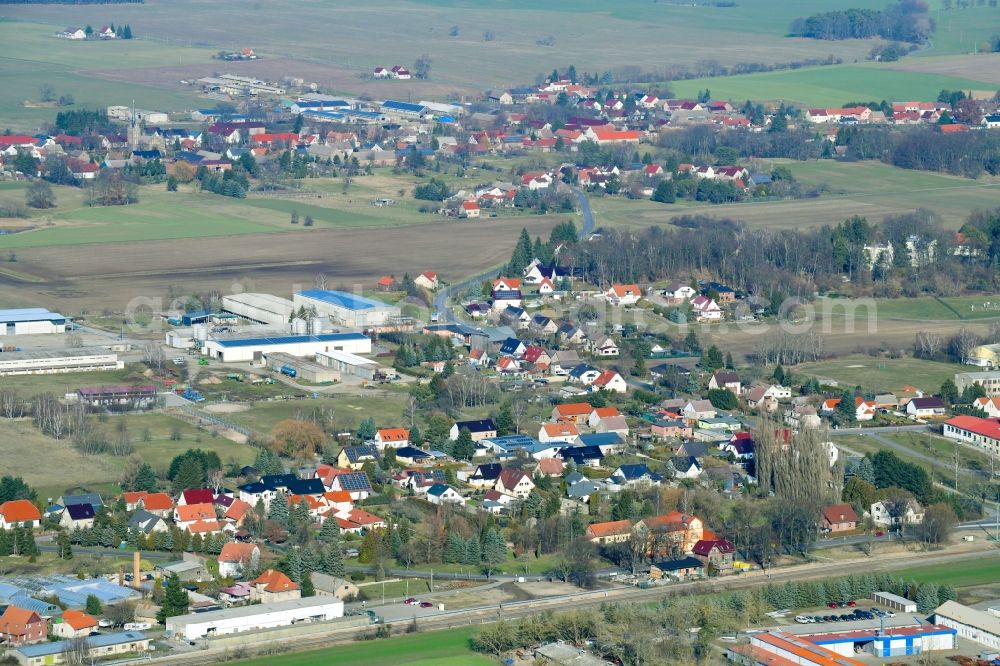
x=357, y=481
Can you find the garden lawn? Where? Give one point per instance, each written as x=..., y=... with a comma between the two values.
x=434, y=648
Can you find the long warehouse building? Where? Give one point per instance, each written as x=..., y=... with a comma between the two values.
x=31, y=321
x=254, y=618
x=245, y=349
x=51, y=361
x=259, y=308
x=356, y=366
x=347, y=309
x=971, y=624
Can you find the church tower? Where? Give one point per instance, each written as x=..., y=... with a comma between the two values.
x=134, y=129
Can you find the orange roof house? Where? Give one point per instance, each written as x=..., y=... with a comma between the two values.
x=79, y=619
x=605, y=135
x=550, y=467
x=683, y=529
x=237, y=511
x=19, y=626
x=204, y=527
x=132, y=498
x=613, y=531
x=558, y=431
x=839, y=518
x=577, y=412
x=507, y=284
x=19, y=512
x=154, y=502
x=394, y=437
x=234, y=551
x=187, y=513
x=274, y=581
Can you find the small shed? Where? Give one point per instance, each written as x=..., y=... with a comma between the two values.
x=895, y=602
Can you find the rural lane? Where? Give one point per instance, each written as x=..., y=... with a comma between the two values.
x=443, y=298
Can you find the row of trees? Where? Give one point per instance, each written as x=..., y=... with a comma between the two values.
x=680, y=630
x=774, y=266
x=905, y=21
x=967, y=154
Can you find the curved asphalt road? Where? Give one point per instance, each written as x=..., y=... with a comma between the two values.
x=443, y=298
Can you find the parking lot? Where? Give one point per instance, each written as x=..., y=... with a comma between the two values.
x=845, y=612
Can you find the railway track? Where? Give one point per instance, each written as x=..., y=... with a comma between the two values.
x=517, y=609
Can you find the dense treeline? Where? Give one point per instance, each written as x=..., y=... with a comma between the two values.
x=906, y=21
x=80, y=121
x=771, y=266
x=702, y=141
x=231, y=183
x=963, y=154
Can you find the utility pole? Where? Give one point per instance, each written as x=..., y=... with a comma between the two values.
x=956, y=466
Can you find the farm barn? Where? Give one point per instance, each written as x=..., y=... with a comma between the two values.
x=347, y=309
x=31, y=321
x=51, y=361
x=259, y=308
x=354, y=365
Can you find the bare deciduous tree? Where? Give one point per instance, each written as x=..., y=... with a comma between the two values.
x=962, y=344
x=927, y=344
x=11, y=405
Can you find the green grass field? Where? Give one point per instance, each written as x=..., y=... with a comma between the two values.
x=68, y=382
x=387, y=408
x=206, y=215
x=870, y=189
x=751, y=30
x=829, y=86
x=444, y=648
x=159, y=449
x=941, y=448
x=882, y=374
x=961, y=30
x=101, y=472
x=968, y=573
x=32, y=56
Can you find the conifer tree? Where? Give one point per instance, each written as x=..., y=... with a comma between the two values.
x=473, y=552
x=278, y=511
x=333, y=560
x=175, y=600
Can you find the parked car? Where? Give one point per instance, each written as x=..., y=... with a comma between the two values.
x=426, y=604
x=852, y=604
x=411, y=602
x=831, y=605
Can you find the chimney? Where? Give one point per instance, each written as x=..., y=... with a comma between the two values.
x=135, y=569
